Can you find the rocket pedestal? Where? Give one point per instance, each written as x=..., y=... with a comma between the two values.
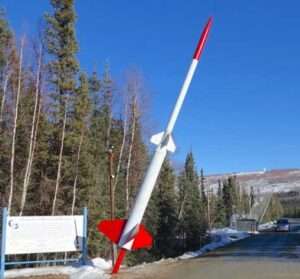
x=131, y=234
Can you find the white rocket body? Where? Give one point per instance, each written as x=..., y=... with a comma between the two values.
x=165, y=143
x=131, y=234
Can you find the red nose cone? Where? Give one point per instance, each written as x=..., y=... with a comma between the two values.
x=203, y=39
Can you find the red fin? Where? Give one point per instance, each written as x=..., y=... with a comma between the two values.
x=143, y=239
x=112, y=229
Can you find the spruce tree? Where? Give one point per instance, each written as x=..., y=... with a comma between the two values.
x=167, y=221
x=219, y=207
x=191, y=218
x=252, y=197
x=81, y=158
x=244, y=203
x=202, y=187
x=5, y=42
x=6, y=47
x=98, y=191
x=63, y=67
x=228, y=200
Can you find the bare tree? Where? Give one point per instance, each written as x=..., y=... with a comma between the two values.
x=13, y=145
x=4, y=89
x=76, y=171
x=34, y=127
x=58, y=176
x=125, y=124
x=131, y=143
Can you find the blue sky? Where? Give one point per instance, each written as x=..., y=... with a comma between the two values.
x=242, y=109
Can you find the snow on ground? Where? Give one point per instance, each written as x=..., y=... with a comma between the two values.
x=267, y=226
x=97, y=268
x=220, y=238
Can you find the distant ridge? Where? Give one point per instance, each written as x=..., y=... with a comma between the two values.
x=265, y=181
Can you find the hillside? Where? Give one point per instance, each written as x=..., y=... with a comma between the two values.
x=276, y=181
x=284, y=183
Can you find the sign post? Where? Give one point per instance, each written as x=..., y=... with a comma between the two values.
x=3, y=242
x=84, y=236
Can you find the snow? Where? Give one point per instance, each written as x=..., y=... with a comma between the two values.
x=220, y=238
x=97, y=268
x=267, y=226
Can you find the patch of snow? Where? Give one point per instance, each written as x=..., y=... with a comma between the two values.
x=97, y=268
x=220, y=238
x=266, y=226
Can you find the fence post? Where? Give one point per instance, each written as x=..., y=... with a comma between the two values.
x=84, y=240
x=3, y=242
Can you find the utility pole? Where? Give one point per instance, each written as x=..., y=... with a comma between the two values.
x=112, y=196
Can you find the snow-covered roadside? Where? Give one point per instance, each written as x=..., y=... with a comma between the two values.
x=97, y=268
x=220, y=238
x=100, y=269
x=267, y=226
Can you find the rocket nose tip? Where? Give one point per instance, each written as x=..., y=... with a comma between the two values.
x=202, y=40
x=210, y=20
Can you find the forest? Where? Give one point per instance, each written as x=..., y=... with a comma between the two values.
x=59, y=128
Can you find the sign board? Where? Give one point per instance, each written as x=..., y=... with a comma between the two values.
x=44, y=234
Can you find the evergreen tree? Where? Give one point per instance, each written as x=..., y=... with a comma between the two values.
x=202, y=187
x=252, y=197
x=167, y=221
x=81, y=174
x=5, y=43
x=244, y=203
x=98, y=191
x=40, y=191
x=219, y=207
x=63, y=68
x=6, y=47
x=62, y=46
x=191, y=217
x=228, y=200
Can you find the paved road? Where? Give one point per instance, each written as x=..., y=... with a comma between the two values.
x=263, y=256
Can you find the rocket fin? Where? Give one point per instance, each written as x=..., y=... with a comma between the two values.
x=112, y=229
x=157, y=138
x=143, y=239
x=171, y=145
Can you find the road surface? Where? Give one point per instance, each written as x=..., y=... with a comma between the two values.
x=263, y=256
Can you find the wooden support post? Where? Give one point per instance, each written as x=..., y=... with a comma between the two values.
x=112, y=198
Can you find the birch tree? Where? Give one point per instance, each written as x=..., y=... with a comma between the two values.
x=62, y=46
x=130, y=148
x=7, y=74
x=34, y=127
x=13, y=145
x=80, y=127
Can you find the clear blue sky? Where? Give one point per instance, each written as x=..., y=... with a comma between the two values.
x=243, y=109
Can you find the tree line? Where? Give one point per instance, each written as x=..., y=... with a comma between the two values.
x=58, y=122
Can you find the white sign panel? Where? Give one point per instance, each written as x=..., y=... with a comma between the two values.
x=43, y=234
